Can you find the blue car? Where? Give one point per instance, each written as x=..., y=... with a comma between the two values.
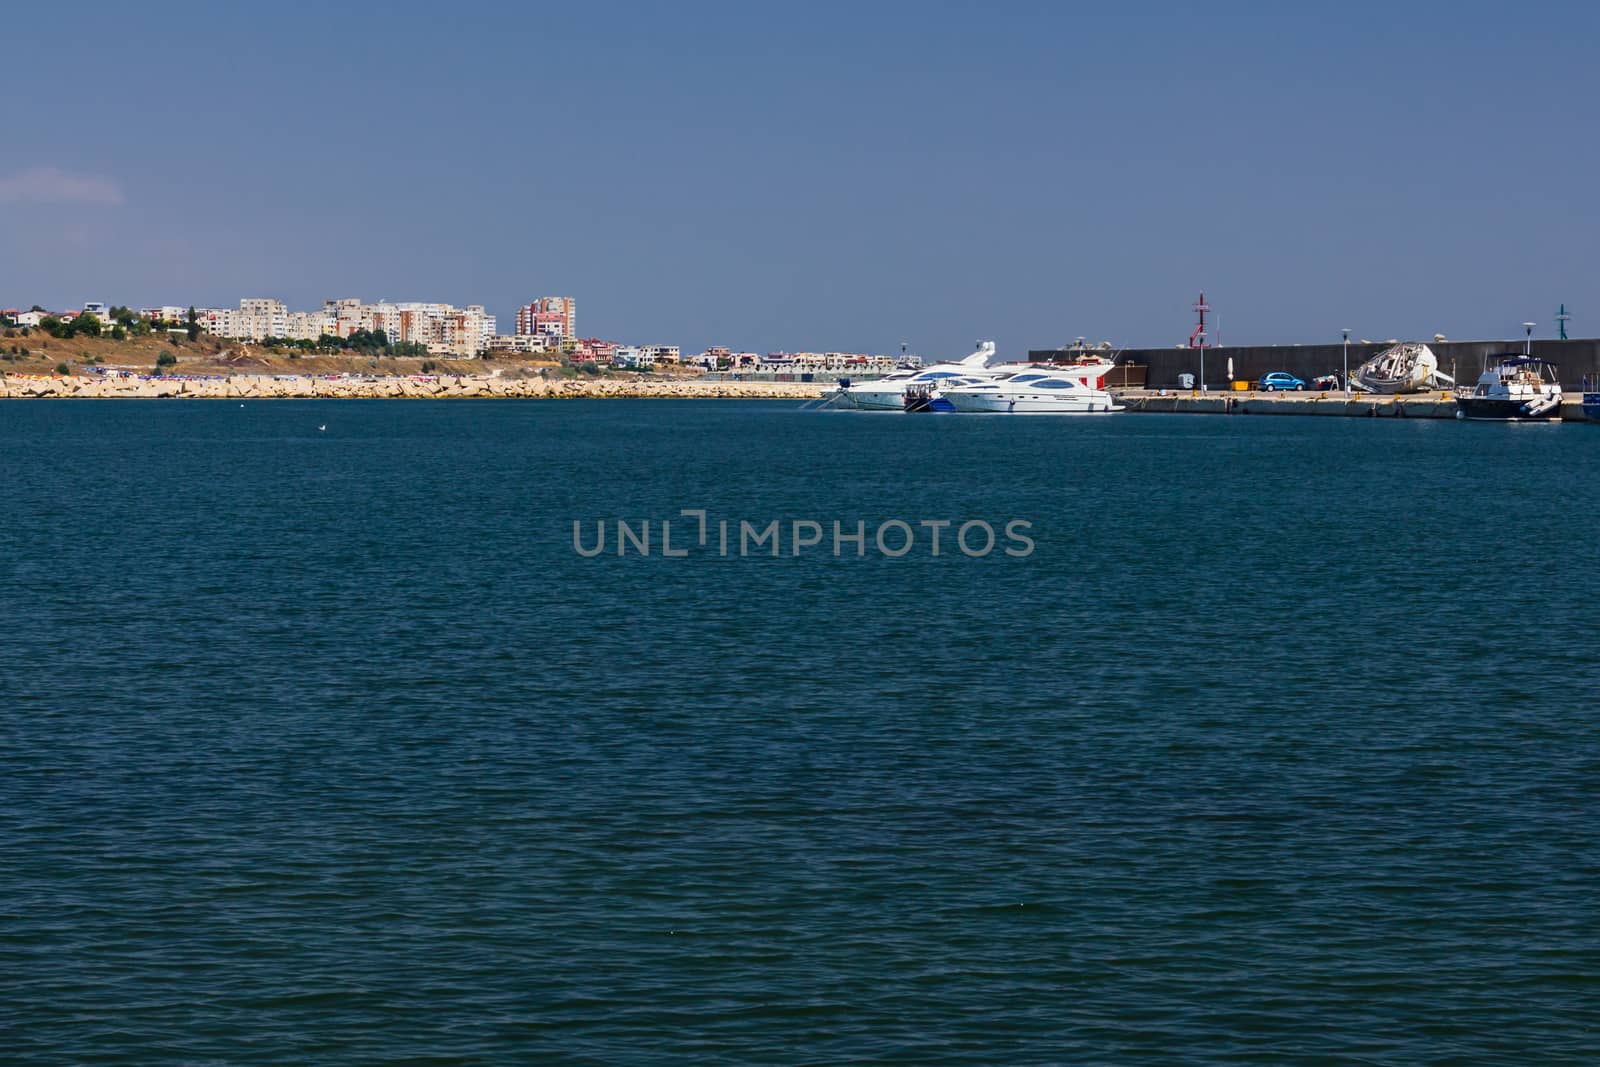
x=1281, y=381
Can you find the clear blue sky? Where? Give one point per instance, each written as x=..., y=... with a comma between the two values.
x=819, y=175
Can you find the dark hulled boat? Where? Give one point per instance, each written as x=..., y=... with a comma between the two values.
x=1516, y=388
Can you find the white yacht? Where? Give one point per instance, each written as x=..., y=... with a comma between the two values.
x=1070, y=390
x=1516, y=389
x=889, y=392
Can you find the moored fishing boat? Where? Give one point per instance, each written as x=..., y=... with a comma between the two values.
x=1517, y=388
x=929, y=396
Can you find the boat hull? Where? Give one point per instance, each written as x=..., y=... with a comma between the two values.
x=876, y=399
x=934, y=403
x=1389, y=387
x=1591, y=406
x=1498, y=409
x=1051, y=405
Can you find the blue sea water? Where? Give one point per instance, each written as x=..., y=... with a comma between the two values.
x=328, y=747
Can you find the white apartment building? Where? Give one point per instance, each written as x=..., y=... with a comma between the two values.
x=522, y=344
x=309, y=325
x=443, y=328
x=836, y=361
x=256, y=319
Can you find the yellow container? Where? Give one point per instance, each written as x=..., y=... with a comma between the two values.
x=1241, y=387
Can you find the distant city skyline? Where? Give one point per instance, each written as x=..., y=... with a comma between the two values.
x=842, y=178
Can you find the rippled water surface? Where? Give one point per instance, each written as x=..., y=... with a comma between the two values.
x=326, y=747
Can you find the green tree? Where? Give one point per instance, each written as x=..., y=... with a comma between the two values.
x=193, y=330
x=166, y=359
x=86, y=325
x=63, y=370
x=118, y=333
x=51, y=325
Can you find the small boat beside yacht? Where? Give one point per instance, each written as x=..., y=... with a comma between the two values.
x=928, y=396
x=1516, y=388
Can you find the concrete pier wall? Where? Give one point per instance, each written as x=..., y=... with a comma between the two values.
x=1433, y=405
x=1463, y=359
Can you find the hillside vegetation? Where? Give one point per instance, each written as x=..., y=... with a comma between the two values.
x=36, y=352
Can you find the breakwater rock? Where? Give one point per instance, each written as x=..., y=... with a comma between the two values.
x=423, y=387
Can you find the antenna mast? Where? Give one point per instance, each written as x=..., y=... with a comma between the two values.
x=1197, y=339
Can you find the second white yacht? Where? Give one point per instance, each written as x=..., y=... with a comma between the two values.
x=889, y=392
x=1043, y=391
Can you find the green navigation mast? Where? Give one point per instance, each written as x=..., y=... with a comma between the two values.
x=1561, y=320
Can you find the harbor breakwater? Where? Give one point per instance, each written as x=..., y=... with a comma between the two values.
x=1462, y=359
x=433, y=387
x=1219, y=401
x=1435, y=405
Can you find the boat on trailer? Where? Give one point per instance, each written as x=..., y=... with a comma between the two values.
x=1402, y=368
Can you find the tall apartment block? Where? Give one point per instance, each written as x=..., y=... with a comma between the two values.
x=547, y=311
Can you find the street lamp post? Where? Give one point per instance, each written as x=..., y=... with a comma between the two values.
x=1527, y=343
x=1347, y=364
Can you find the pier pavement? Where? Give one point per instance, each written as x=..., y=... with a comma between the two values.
x=1434, y=405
